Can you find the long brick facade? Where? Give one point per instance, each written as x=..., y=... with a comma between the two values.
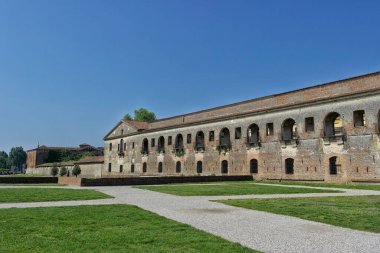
x=326, y=132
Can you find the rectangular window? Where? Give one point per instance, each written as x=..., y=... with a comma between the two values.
x=237, y=133
x=109, y=167
x=110, y=147
x=118, y=147
x=121, y=168
x=309, y=124
x=270, y=129
x=211, y=136
x=153, y=142
x=125, y=146
x=188, y=138
x=359, y=118
x=169, y=140
x=133, y=145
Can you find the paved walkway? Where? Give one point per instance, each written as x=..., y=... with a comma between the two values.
x=262, y=231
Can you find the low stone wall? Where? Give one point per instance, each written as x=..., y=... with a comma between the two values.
x=158, y=180
x=28, y=180
x=70, y=181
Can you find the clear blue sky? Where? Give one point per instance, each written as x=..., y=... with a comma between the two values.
x=70, y=69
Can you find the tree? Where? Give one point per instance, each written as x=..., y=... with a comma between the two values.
x=17, y=157
x=54, y=170
x=3, y=160
x=127, y=117
x=63, y=171
x=76, y=170
x=143, y=114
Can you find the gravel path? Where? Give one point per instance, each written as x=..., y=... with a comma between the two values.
x=262, y=231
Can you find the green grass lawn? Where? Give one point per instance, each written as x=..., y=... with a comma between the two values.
x=225, y=189
x=375, y=187
x=49, y=184
x=14, y=195
x=361, y=213
x=109, y=228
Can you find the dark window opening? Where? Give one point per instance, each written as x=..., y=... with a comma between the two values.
x=224, y=167
x=289, y=166
x=121, y=168
x=133, y=145
x=333, y=125
x=160, y=167
x=237, y=133
x=253, y=165
x=178, y=167
x=125, y=146
x=132, y=168
x=118, y=147
x=359, y=118
x=179, y=142
x=211, y=136
x=289, y=130
x=110, y=147
x=144, y=167
x=122, y=131
x=199, y=167
x=109, y=167
x=333, y=166
x=309, y=124
x=169, y=140
x=253, y=135
x=270, y=129
x=145, y=147
x=153, y=142
x=200, y=141
x=188, y=138
x=224, y=138
x=161, y=144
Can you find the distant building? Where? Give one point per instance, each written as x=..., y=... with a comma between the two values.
x=42, y=154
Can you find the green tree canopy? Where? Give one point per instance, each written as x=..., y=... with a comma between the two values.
x=141, y=114
x=17, y=157
x=76, y=170
x=3, y=160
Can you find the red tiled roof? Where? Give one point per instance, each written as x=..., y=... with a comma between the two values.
x=91, y=159
x=139, y=125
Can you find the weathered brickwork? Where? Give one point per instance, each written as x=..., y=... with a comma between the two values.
x=327, y=132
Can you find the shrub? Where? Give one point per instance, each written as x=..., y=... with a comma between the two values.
x=63, y=171
x=76, y=170
x=54, y=171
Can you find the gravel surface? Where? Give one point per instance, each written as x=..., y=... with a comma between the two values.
x=262, y=231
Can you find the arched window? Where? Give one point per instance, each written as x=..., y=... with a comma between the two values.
x=144, y=167
x=289, y=166
x=224, y=167
x=161, y=145
x=333, y=166
x=178, y=167
x=178, y=142
x=253, y=166
x=160, y=167
x=200, y=141
x=145, y=147
x=121, y=146
x=199, y=167
x=333, y=125
x=132, y=168
x=224, y=138
x=253, y=135
x=289, y=130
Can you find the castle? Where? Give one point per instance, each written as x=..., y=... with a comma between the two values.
x=327, y=132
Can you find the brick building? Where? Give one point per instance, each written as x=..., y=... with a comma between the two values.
x=41, y=154
x=326, y=132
